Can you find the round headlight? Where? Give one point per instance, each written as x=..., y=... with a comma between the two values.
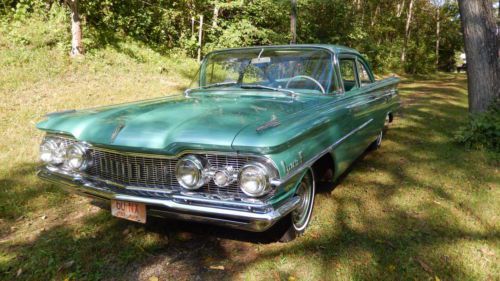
x=190, y=172
x=47, y=149
x=225, y=176
x=52, y=151
x=77, y=157
x=254, y=179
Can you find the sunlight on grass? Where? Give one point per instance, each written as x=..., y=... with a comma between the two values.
x=420, y=207
x=41, y=227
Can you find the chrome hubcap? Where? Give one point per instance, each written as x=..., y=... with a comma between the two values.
x=300, y=215
x=379, y=138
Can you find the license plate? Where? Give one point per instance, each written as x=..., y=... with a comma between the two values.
x=129, y=210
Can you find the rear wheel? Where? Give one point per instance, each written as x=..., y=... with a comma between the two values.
x=297, y=222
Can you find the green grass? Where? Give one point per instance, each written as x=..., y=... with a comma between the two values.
x=419, y=208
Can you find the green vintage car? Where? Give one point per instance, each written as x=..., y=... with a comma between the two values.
x=245, y=147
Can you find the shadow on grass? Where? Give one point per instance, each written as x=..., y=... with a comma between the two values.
x=396, y=239
x=409, y=224
x=17, y=191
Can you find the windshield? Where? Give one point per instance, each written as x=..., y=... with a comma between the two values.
x=296, y=69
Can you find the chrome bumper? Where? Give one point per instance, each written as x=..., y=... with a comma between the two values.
x=240, y=215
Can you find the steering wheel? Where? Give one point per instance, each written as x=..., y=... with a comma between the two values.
x=308, y=78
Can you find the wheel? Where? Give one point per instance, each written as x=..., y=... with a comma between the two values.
x=378, y=141
x=388, y=120
x=297, y=222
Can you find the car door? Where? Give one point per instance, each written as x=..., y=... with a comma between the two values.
x=373, y=102
x=354, y=102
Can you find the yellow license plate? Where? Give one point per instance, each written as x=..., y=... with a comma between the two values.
x=129, y=210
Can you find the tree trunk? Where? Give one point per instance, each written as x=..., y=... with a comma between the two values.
x=357, y=3
x=438, y=22
x=293, y=22
x=400, y=8
x=407, y=31
x=482, y=53
x=76, y=29
x=200, y=38
x=215, y=17
x=375, y=14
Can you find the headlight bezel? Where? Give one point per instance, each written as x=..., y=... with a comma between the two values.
x=61, y=145
x=58, y=148
x=201, y=171
x=47, y=148
x=81, y=151
x=265, y=173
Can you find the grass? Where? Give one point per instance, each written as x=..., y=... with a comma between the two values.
x=419, y=208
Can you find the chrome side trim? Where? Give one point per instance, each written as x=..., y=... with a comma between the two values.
x=311, y=161
x=375, y=98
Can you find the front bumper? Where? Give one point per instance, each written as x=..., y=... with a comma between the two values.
x=255, y=217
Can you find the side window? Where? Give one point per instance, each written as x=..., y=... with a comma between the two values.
x=348, y=72
x=364, y=78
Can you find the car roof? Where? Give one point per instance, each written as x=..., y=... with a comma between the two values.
x=333, y=48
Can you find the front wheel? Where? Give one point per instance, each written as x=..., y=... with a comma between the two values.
x=378, y=141
x=297, y=222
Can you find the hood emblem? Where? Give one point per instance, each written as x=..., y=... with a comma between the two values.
x=269, y=124
x=117, y=130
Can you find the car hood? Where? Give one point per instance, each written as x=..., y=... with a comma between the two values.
x=172, y=124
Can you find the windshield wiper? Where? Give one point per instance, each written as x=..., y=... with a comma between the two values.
x=214, y=85
x=289, y=92
x=247, y=86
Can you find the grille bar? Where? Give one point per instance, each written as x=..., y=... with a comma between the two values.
x=159, y=173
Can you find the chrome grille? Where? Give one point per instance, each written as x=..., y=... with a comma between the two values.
x=158, y=173
x=151, y=172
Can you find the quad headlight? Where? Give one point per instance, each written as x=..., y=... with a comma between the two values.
x=191, y=172
x=56, y=151
x=77, y=157
x=254, y=179
x=52, y=151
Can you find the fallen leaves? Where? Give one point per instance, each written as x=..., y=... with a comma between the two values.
x=66, y=265
x=424, y=265
x=217, y=267
x=487, y=252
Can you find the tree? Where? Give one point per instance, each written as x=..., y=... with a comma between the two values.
x=482, y=52
x=293, y=22
x=76, y=29
x=438, y=25
x=407, y=31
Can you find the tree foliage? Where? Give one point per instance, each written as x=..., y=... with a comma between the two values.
x=375, y=27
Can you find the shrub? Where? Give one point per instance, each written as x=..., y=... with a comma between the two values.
x=482, y=130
